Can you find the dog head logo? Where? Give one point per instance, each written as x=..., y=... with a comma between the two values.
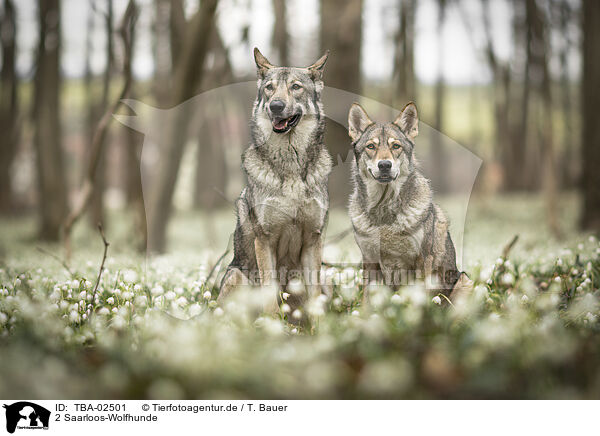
x=26, y=415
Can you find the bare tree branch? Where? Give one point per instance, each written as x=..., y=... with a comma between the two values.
x=97, y=145
x=106, y=244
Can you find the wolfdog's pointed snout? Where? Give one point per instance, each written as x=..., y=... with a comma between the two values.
x=277, y=106
x=384, y=165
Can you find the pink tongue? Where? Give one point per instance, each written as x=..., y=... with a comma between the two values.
x=281, y=124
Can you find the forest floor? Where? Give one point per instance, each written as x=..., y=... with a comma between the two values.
x=153, y=329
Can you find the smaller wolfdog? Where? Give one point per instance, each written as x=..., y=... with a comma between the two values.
x=282, y=211
x=401, y=233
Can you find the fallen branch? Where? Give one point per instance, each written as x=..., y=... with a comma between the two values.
x=58, y=259
x=217, y=263
x=97, y=146
x=509, y=247
x=106, y=244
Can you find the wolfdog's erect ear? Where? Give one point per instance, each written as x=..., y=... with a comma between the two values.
x=358, y=121
x=408, y=120
x=262, y=64
x=316, y=69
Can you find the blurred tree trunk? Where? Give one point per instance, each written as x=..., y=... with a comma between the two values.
x=9, y=107
x=161, y=51
x=501, y=89
x=97, y=204
x=280, y=32
x=211, y=169
x=341, y=32
x=520, y=173
x=133, y=142
x=188, y=75
x=404, y=56
x=177, y=29
x=569, y=155
x=88, y=83
x=47, y=83
x=439, y=160
x=538, y=57
x=590, y=95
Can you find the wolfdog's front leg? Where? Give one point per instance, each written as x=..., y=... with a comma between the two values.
x=311, y=265
x=265, y=259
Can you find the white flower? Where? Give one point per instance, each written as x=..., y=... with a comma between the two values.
x=207, y=295
x=104, y=311
x=285, y=308
x=437, y=300
x=114, y=310
x=110, y=300
x=137, y=287
x=297, y=314
x=396, y=299
x=285, y=296
x=170, y=295
x=157, y=290
x=524, y=299
x=355, y=313
x=315, y=308
x=119, y=322
x=507, y=279
x=295, y=287
x=218, y=311
x=3, y=318
x=88, y=284
x=73, y=316
x=129, y=276
x=195, y=309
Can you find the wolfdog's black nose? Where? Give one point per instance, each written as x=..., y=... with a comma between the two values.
x=384, y=165
x=277, y=106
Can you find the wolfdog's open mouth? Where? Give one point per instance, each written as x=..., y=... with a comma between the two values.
x=384, y=178
x=283, y=125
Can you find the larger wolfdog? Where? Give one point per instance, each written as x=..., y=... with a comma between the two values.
x=282, y=211
x=401, y=232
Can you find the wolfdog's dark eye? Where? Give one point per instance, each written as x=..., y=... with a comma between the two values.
x=396, y=145
x=296, y=87
x=269, y=87
x=370, y=146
